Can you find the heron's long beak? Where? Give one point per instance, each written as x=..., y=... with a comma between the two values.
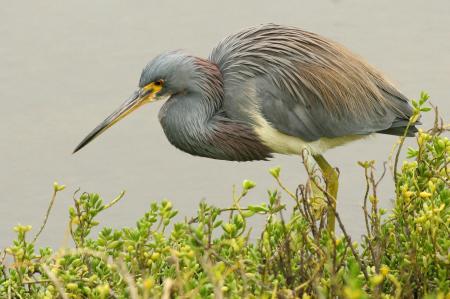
x=139, y=98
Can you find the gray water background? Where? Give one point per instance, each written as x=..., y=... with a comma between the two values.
x=64, y=66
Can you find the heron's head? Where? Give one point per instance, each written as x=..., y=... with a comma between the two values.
x=166, y=75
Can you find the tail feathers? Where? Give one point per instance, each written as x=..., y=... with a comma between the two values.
x=399, y=131
x=399, y=126
x=399, y=106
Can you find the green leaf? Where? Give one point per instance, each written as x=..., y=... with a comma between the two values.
x=275, y=172
x=247, y=184
x=258, y=209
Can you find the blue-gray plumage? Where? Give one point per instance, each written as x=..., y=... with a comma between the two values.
x=267, y=89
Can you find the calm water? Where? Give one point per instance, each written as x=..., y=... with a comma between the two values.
x=64, y=67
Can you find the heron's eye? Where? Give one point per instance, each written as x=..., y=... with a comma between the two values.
x=154, y=86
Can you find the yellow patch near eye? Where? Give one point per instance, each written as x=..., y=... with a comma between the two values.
x=155, y=87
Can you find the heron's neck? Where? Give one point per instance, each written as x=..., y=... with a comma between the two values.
x=196, y=126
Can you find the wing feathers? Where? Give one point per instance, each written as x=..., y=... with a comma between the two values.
x=307, y=86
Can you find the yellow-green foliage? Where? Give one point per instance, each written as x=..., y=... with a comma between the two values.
x=405, y=253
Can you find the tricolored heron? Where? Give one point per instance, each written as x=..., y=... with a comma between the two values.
x=268, y=89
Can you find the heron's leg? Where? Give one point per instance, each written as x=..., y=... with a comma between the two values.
x=331, y=180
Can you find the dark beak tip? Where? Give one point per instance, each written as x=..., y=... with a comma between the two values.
x=81, y=145
x=76, y=150
x=109, y=121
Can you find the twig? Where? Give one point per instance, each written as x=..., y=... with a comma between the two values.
x=366, y=213
x=413, y=118
x=38, y=281
x=3, y=256
x=382, y=174
x=50, y=206
x=168, y=284
x=128, y=279
x=349, y=240
x=195, y=219
x=114, y=201
x=55, y=281
x=313, y=276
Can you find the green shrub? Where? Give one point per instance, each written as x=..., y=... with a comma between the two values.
x=405, y=253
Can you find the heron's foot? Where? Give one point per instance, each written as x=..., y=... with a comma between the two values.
x=331, y=177
x=318, y=200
